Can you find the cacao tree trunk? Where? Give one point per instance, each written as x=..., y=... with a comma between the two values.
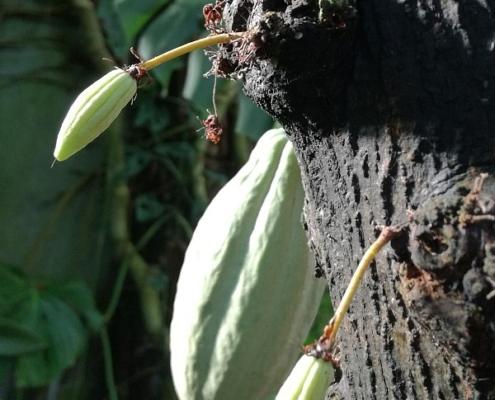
x=390, y=105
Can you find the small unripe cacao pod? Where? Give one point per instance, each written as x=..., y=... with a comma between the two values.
x=246, y=295
x=308, y=380
x=93, y=111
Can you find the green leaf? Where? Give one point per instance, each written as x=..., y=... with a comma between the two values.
x=65, y=332
x=123, y=21
x=79, y=297
x=16, y=339
x=148, y=207
x=176, y=151
x=136, y=161
x=65, y=337
x=151, y=112
x=114, y=31
x=177, y=24
x=51, y=218
x=251, y=120
x=6, y=369
x=136, y=14
x=31, y=370
x=27, y=312
x=13, y=287
x=44, y=330
x=325, y=313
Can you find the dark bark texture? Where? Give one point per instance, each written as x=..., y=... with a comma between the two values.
x=390, y=106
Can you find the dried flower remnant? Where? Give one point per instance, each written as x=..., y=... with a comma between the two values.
x=212, y=14
x=213, y=129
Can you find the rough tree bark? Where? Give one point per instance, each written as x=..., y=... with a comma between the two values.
x=390, y=106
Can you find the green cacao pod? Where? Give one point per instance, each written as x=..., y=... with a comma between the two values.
x=93, y=111
x=308, y=380
x=246, y=295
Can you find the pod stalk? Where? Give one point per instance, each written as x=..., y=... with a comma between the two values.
x=324, y=346
x=387, y=234
x=191, y=46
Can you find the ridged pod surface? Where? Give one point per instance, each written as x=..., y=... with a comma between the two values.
x=93, y=111
x=246, y=294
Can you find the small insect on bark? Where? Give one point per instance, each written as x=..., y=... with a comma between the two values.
x=213, y=129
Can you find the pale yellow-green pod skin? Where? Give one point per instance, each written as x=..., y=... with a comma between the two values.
x=93, y=111
x=308, y=380
x=246, y=295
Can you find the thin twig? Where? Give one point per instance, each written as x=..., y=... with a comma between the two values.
x=125, y=249
x=116, y=291
x=213, y=96
x=107, y=360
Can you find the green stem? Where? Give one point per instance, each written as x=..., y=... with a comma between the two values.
x=150, y=232
x=127, y=252
x=107, y=360
x=116, y=292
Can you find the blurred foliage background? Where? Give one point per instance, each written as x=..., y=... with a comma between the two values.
x=90, y=250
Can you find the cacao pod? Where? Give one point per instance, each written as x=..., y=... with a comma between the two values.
x=93, y=111
x=308, y=380
x=246, y=295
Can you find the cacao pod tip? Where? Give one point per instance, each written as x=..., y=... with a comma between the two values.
x=93, y=111
x=308, y=380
